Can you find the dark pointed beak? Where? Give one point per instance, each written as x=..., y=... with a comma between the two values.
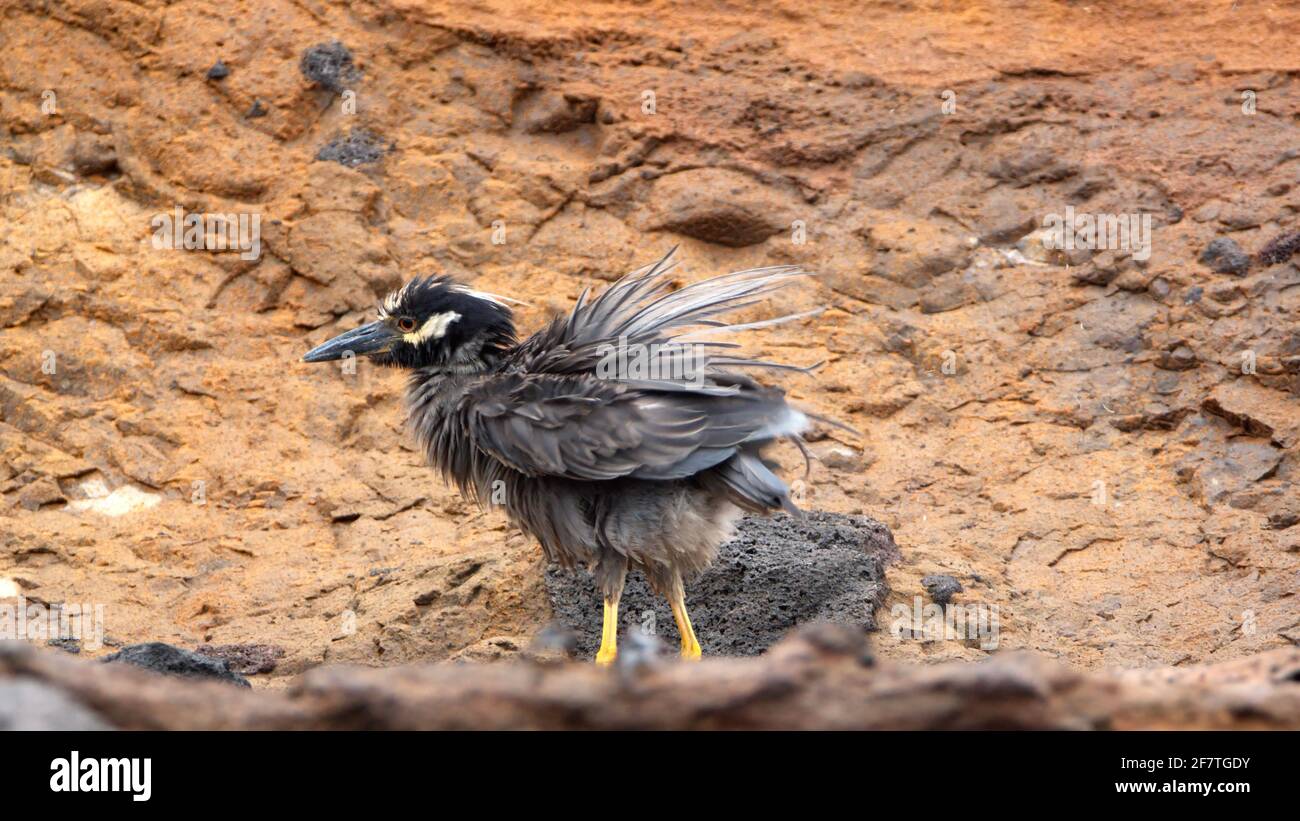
x=368, y=339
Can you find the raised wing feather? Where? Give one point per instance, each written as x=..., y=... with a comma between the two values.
x=640, y=311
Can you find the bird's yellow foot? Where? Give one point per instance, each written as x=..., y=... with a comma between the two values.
x=608, y=635
x=690, y=645
x=692, y=651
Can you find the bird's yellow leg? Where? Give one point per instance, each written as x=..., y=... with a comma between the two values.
x=690, y=646
x=608, y=634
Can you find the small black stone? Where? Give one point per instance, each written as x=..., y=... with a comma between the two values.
x=173, y=661
x=68, y=645
x=258, y=110
x=1280, y=249
x=329, y=65
x=360, y=146
x=941, y=587
x=219, y=71
x=1224, y=256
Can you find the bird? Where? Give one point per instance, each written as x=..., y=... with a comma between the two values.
x=621, y=436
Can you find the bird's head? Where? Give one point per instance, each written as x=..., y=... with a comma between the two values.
x=431, y=322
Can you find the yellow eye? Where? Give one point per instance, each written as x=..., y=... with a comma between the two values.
x=405, y=324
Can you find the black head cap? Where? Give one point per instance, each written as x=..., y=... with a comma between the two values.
x=430, y=322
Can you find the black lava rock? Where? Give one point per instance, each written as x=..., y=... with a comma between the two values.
x=219, y=71
x=329, y=65
x=67, y=645
x=941, y=587
x=1279, y=249
x=173, y=661
x=257, y=110
x=360, y=146
x=777, y=573
x=1224, y=256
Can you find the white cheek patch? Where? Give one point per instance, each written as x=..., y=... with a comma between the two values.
x=433, y=328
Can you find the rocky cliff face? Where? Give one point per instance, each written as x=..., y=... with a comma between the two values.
x=1099, y=442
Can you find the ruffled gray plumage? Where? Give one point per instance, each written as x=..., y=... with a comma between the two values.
x=608, y=466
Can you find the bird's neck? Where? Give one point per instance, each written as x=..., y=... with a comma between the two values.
x=434, y=389
x=434, y=414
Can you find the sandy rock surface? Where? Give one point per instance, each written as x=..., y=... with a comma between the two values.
x=1101, y=446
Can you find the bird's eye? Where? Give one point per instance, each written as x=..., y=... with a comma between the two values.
x=405, y=324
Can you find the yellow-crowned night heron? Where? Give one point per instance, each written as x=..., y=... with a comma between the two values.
x=619, y=435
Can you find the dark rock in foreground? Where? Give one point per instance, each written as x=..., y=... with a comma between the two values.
x=777, y=573
x=173, y=661
x=816, y=679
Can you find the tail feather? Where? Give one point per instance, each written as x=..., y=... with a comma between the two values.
x=747, y=481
